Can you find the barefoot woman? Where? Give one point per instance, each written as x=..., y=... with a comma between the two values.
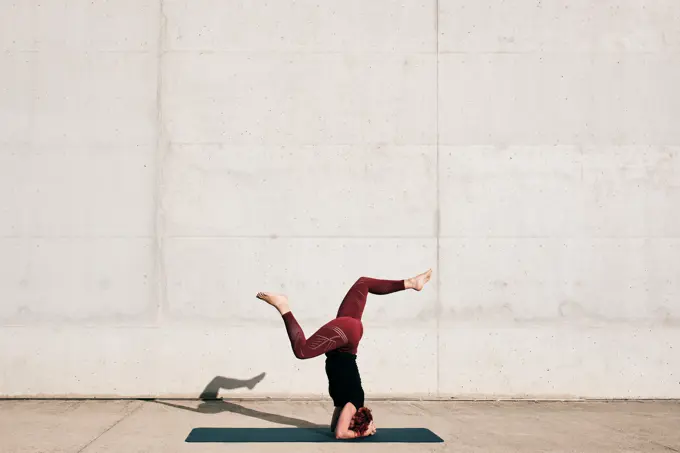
x=339, y=340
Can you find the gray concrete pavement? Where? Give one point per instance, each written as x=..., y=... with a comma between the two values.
x=162, y=426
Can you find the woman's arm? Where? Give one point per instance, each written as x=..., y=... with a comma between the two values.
x=342, y=430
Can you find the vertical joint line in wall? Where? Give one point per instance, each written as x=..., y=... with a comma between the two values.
x=161, y=146
x=438, y=219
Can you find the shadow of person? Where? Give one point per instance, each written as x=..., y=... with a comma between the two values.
x=213, y=388
x=212, y=405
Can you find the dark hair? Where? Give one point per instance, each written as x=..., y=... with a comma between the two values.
x=362, y=419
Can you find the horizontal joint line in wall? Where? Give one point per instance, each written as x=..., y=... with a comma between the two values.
x=270, y=236
x=93, y=237
x=75, y=50
x=560, y=52
x=251, y=145
x=300, y=52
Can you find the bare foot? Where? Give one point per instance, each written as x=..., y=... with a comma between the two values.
x=251, y=383
x=279, y=301
x=419, y=281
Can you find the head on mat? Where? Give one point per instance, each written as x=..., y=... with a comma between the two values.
x=362, y=421
x=339, y=340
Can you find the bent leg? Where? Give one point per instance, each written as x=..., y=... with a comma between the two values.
x=354, y=302
x=335, y=334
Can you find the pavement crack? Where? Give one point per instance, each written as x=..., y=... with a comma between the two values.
x=126, y=415
x=665, y=446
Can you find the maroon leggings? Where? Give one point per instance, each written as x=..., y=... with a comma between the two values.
x=344, y=332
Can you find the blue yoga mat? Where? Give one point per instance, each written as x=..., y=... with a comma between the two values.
x=268, y=435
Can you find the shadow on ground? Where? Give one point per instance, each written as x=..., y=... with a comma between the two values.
x=212, y=405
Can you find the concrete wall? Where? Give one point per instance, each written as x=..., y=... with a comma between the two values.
x=162, y=161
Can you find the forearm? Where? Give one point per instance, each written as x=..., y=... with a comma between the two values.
x=349, y=434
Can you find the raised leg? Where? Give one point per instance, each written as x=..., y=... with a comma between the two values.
x=355, y=301
x=345, y=331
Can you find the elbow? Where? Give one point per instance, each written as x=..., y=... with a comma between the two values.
x=342, y=435
x=349, y=434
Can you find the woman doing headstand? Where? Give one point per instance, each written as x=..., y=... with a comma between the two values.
x=339, y=340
